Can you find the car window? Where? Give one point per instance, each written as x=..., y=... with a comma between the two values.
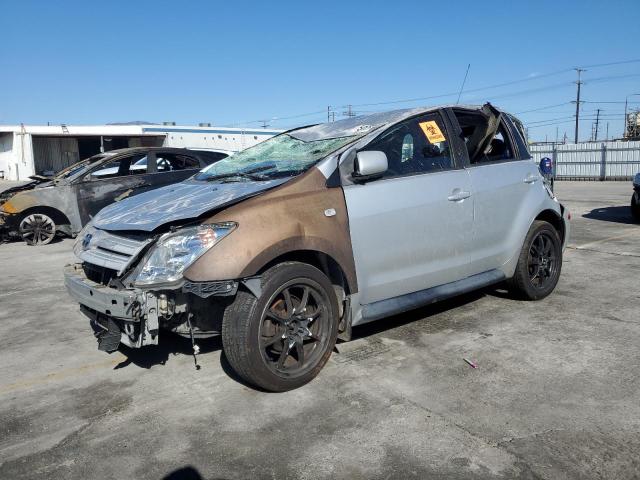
x=474, y=130
x=500, y=147
x=132, y=165
x=418, y=145
x=170, y=161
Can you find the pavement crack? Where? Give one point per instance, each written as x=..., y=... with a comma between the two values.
x=506, y=440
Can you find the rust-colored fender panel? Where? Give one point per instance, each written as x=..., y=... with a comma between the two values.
x=299, y=215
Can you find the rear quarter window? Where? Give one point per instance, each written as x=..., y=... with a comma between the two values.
x=519, y=136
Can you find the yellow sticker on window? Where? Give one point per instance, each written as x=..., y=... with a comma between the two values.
x=432, y=131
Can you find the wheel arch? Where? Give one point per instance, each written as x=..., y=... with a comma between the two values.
x=555, y=219
x=56, y=215
x=316, y=258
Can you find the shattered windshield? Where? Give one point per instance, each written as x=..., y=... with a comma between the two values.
x=280, y=156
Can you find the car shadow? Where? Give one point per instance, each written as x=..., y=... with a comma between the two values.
x=186, y=473
x=169, y=344
x=14, y=239
x=620, y=214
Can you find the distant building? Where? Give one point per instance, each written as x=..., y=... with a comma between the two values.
x=27, y=150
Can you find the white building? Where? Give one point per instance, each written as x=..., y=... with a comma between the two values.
x=27, y=150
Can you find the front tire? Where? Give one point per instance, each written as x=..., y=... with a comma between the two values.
x=539, y=263
x=37, y=229
x=281, y=340
x=635, y=206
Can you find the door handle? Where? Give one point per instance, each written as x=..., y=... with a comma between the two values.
x=531, y=178
x=458, y=195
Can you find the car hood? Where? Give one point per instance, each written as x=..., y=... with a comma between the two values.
x=182, y=201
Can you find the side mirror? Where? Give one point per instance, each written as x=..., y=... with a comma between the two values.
x=369, y=164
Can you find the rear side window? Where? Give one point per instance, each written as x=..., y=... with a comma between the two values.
x=500, y=147
x=170, y=161
x=520, y=138
x=482, y=146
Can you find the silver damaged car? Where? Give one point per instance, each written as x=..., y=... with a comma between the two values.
x=287, y=245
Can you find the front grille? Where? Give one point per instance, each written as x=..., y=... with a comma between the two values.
x=206, y=289
x=114, y=252
x=98, y=274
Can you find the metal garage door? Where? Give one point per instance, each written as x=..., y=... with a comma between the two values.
x=54, y=153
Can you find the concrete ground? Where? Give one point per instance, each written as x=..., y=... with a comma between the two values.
x=555, y=395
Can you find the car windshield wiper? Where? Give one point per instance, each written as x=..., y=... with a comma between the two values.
x=250, y=174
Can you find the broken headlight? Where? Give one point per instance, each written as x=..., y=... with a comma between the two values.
x=174, y=252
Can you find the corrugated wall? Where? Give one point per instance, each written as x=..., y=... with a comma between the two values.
x=54, y=153
x=592, y=161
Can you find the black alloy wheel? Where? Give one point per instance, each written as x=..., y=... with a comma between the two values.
x=543, y=261
x=635, y=206
x=279, y=338
x=295, y=327
x=539, y=263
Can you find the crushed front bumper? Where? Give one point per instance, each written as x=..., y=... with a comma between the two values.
x=117, y=316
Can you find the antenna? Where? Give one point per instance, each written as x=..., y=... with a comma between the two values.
x=463, y=82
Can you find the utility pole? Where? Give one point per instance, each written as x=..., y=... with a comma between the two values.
x=607, y=138
x=328, y=113
x=349, y=112
x=579, y=83
x=595, y=133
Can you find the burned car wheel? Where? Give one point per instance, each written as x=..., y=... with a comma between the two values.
x=37, y=229
x=282, y=339
x=539, y=264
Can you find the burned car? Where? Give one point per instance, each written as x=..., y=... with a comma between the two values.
x=284, y=247
x=62, y=204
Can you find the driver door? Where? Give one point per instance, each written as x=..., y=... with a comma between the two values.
x=411, y=229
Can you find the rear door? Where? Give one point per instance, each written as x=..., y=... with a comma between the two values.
x=411, y=229
x=503, y=183
x=171, y=168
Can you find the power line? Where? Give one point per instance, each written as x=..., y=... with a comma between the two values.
x=543, y=108
x=550, y=120
x=486, y=87
x=598, y=65
x=621, y=101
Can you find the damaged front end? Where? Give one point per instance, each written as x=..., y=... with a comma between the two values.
x=130, y=285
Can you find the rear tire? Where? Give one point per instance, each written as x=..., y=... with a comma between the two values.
x=635, y=206
x=37, y=229
x=539, y=263
x=281, y=340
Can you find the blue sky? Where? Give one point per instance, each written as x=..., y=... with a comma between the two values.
x=236, y=63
